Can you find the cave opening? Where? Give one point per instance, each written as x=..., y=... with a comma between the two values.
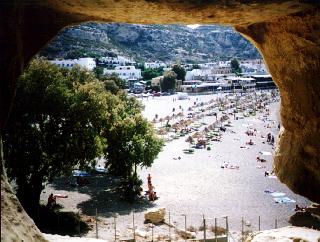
x=292, y=55
x=226, y=108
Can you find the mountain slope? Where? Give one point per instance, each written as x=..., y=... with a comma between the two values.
x=151, y=42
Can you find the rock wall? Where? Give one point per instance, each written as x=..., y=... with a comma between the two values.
x=286, y=33
x=291, y=48
x=15, y=223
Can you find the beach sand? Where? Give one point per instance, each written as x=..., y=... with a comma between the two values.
x=195, y=185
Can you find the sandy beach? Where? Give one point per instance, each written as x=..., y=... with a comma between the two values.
x=195, y=185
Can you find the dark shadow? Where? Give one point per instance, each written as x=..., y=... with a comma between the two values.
x=309, y=217
x=53, y=221
x=105, y=196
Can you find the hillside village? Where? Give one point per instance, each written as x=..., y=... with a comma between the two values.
x=199, y=78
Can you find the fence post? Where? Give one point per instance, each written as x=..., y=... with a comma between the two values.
x=259, y=224
x=97, y=223
x=185, y=222
x=215, y=229
x=242, y=232
x=152, y=232
x=276, y=224
x=134, y=228
x=204, y=229
x=115, y=228
x=227, y=227
x=169, y=227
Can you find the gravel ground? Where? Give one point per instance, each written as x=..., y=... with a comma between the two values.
x=195, y=185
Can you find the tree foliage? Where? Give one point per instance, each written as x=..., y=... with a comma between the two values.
x=131, y=139
x=235, y=66
x=113, y=83
x=150, y=73
x=65, y=118
x=46, y=136
x=168, y=83
x=180, y=71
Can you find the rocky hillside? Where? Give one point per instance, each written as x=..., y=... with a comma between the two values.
x=150, y=42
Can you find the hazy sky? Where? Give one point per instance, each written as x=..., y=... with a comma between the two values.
x=193, y=26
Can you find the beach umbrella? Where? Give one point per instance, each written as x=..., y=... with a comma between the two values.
x=197, y=135
x=180, y=114
x=162, y=132
x=190, y=140
x=176, y=126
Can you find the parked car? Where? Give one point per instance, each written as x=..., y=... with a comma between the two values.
x=156, y=94
x=165, y=94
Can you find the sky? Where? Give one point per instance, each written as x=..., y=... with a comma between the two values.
x=193, y=26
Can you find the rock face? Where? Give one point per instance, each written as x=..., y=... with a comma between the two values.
x=285, y=32
x=15, y=223
x=293, y=58
x=155, y=215
x=151, y=42
x=287, y=234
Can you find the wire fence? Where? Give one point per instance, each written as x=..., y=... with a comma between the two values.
x=130, y=226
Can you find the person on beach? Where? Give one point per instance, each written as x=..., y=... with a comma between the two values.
x=269, y=137
x=152, y=194
x=149, y=181
x=272, y=139
x=250, y=142
x=51, y=201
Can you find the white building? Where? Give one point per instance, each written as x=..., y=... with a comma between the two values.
x=154, y=65
x=207, y=74
x=253, y=66
x=87, y=62
x=125, y=72
x=116, y=61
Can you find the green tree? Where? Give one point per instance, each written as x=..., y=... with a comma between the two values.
x=168, y=83
x=111, y=86
x=180, y=71
x=150, y=73
x=65, y=118
x=119, y=82
x=98, y=71
x=235, y=66
x=131, y=142
x=54, y=125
